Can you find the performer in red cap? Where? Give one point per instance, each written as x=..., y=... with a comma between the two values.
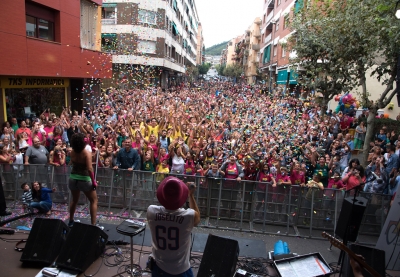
x=171, y=227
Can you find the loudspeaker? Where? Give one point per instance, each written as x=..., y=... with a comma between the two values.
x=45, y=241
x=84, y=244
x=350, y=218
x=219, y=258
x=373, y=257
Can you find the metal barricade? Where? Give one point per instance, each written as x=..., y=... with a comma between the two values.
x=223, y=203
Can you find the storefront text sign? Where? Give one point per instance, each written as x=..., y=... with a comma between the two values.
x=33, y=82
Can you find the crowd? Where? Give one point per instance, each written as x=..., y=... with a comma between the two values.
x=215, y=129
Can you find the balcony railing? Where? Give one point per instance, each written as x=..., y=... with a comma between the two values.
x=269, y=17
x=270, y=3
x=255, y=47
x=257, y=33
x=268, y=38
x=109, y=21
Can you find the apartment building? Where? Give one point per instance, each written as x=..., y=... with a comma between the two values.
x=50, y=56
x=274, y=59
x=151, y=42
x=251, y=58
x=201, y=49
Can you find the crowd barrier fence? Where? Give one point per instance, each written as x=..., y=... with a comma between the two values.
x=223, y=203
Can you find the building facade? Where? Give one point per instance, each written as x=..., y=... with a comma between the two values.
x=151, y=42
x=251, y=58
x=274, y=59
x=50, y=55
x=201, y=49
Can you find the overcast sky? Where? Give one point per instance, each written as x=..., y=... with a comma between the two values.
x=223, y=20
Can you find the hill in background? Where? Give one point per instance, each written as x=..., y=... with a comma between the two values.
x=216, y=50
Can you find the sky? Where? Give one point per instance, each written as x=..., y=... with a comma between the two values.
x=223, y=20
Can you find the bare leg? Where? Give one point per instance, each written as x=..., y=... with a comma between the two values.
x=74, y=202
x=92, y=196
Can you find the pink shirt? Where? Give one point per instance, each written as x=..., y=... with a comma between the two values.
x=297, y=177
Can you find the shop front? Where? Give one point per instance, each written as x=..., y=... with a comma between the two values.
x=28, y=97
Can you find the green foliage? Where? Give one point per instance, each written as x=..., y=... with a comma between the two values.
x=203, y=68
x=391, y=124
x=233, y=70
x=216, y=50
x=220, y=69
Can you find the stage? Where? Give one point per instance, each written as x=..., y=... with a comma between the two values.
x=253, y=247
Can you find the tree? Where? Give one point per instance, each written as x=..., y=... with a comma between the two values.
x=203, y=68
x=338, y=42
x=233, y=70
x=220, y=69
x=192, y=72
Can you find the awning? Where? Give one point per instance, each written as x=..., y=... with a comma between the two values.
x=108, y=35
x=283, y=77
x=298, y=5
x=267, y=54
x=175, y=5
x=175, y=29
x=109, y=5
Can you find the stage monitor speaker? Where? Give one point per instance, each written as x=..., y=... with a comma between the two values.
x=84, y=244
x=350, y=218
x=373, y=257
x=219, y=258
x=45, y=240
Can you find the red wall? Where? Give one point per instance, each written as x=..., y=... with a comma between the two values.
x=24, y=56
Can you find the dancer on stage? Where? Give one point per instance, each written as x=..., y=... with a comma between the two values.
x=171, y=227
x=81, y=177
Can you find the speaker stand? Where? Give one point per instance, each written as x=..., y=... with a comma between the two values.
x=130, y=271
x=131, y=228
x=345, y=240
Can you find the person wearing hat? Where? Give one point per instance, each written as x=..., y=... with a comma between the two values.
x=171, y=228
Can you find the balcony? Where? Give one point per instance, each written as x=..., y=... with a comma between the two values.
x=109, y=21
x=269, y=17
x=270, y=3
x=246, y=52
x=257, y=33
x=247, y=40
x=258, y=21
x=255, y=47
x=256, y=60
x=268, y=38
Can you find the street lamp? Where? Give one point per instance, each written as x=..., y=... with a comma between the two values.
x=271, y=55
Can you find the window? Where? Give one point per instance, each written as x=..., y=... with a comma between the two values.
x=277, y=25
x=148, y=17
x=275, y=49
x=278, y=3
x=39, y=22
x=283, y=52
x=286, y=22
x=146, y=46
x=89, y=29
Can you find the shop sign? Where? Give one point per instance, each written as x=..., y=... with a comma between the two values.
x=33, y=82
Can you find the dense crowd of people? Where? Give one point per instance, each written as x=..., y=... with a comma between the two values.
x=215, y=129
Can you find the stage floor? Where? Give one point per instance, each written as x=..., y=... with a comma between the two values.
x=252, y=245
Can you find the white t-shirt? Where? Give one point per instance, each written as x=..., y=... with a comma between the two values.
x=170, y=233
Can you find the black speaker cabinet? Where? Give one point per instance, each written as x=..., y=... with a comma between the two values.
x=84, y=244
x=373, y=257
x=45, y=241
x=350, y=218
x=219, y=258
